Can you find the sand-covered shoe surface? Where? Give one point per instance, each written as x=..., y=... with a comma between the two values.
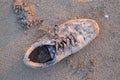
x=66, y=39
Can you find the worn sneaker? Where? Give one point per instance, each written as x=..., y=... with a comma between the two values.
x=66, y=39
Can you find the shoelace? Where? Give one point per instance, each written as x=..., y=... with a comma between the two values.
x=63, y=43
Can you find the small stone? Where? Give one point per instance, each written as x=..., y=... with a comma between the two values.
x=76, y=17
x=37, y=5
x=72, y=64
x=88, y=78
x=106, y=16
x=93, y=61
x=81, y=66
x=92, y=69
x=84, y=1
x=26, y=32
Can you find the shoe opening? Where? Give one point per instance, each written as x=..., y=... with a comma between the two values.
x=42, y=54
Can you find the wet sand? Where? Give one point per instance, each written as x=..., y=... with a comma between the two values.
x=100, y=60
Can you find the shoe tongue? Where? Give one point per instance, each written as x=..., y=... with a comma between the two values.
x=52, y=50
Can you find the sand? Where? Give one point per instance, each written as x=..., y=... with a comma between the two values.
x=100, y=60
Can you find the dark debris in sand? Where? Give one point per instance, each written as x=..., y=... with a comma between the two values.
x=25, y=14
x=88, y=68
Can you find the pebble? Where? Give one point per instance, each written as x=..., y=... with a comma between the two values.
x=106, y=16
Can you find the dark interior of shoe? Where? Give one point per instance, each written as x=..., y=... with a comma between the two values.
x=40, y=54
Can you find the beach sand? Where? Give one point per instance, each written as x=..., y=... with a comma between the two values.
x=100, y=60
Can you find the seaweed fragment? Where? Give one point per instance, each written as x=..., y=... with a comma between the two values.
x=25, y=14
